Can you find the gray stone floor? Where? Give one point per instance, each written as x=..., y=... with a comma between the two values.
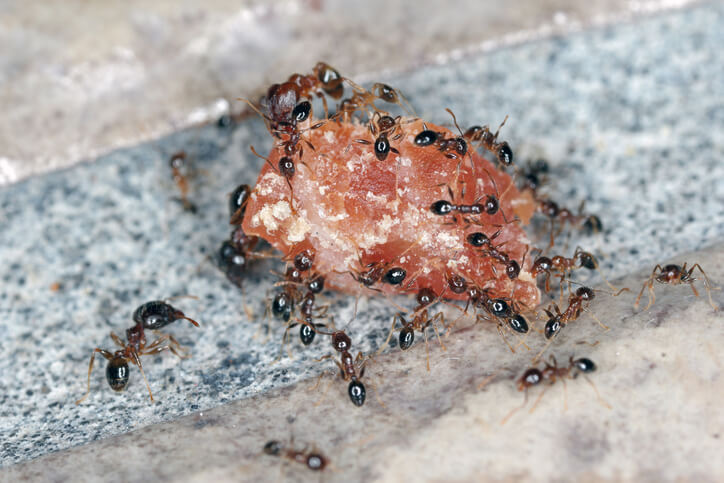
x=630, y=117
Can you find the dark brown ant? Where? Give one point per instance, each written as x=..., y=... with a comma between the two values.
x=488, y=140
x=573, y=311
x=552, y=373
x=237, y=204
x=420, y=321
x=481, y=240
x=313, y=460
x=562, y=266
x=489, y=206
x=131, y=351
x=362, y=98
x=349, y=367
x=180, y=172
x=674, y=275
x=157, y=314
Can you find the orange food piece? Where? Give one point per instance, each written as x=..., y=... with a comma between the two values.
x=354, y=209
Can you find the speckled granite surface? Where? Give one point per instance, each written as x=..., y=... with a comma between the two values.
x=632, y=117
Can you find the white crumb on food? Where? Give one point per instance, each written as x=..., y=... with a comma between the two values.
x=329, y=137
x=426, y=270
x=463, y=259
x=370, y=196
x=403, y=259
x=269, y=214
x=386, y=223
x=298, y=230
x=323, y=189
x=325, y=216
x=448, y=240
x=407, y=179
x=369, y=239
x=269, y=183
x=405, y=162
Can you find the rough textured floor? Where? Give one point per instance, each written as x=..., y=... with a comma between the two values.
x=631, y=117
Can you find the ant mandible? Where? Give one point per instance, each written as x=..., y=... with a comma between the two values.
x=674, y=275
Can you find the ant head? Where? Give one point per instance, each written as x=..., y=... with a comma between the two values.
x=341, y=341
x=491, y=205
x=273, y=448
x=280, y=101
x=407, y=337
x=357, y=392
x=117, y=372
x=316, y=462
x=542, y=264
x=531, y=377
x=518, y=323
x=586, y=260
x=307, y=333
x=593, y=224
x=282, y=306
x=331, y=80
x=549, y=208
x=505, y=154
x=286, y=167
x=584, y=365
x=672, y=272
x=585, y=293
x=303, y=260
x=457, y=283
x=426, y=296
x=512, y=269
x=177, y=160
x=156, y=314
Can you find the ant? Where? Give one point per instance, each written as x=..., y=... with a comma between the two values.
x=674, y=275
x=573, y=311
x=349, y=366
x=550, y=374
x=314, y=460
x=564, y=266
x=481, y=240
x=180, y=172
x=443, y=207
x=420, y=320
x=132, y=350
x=383, y=127
x=483, y=135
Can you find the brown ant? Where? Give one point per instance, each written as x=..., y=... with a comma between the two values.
x=180, y=172
x=573, y=311
x=552, y=373
x=489, y=206
x=562, y=266
x=481, y=240
x=488, y=140
x=674, y=275
x=383, y=128
x=131, y=351
x=313, y=460
x=349, y=367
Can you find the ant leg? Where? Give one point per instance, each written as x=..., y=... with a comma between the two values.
x=324, y=393
x=565, y=395
x=515, y=410
x=427, y=349
x=177, y=349
x=707, y=285
x=440, y=316
x=500, y=332
x=118, y=340
x=535, y=404
x=389, y=336
x=650, y=283
x=603, y=326
x=137, y=361
x=105, y=354
x=542, y=351
x=284, y=343
x=487, y=381
x=598, y=394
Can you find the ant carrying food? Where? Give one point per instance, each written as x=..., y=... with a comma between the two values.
x=674, y=275
x=552, y=373
x=313, y=460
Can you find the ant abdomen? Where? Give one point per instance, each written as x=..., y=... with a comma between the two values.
x=357, y=393
x=307, y=333
x=117, y=373
x=407, y=338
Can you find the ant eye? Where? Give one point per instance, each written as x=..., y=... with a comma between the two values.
x=117, y=374
x=357, y=393
x=301, y=111
x=585, y=365
x=426, y=138
x=395, y=276
x=518, y=324
x=441, y=207
x=407, y=337
x=306, y=334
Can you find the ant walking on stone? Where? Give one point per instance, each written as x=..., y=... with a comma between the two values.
x=674, y=275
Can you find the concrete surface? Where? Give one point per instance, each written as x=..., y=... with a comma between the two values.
x=630, y=116
x=81, y=80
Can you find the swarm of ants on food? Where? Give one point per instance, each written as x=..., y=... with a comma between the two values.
x=363, y=201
